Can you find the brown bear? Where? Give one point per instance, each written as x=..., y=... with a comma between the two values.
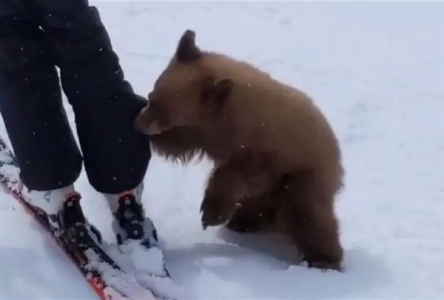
x=277, y=162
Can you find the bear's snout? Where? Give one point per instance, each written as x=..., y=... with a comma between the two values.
x=145, y=124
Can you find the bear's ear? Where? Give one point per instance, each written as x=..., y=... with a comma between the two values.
x=187, y=50
x=216, y=91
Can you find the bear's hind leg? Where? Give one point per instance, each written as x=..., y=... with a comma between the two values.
x=307, y=210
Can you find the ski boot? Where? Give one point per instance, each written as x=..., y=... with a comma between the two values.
x=62, y=211
x=137, y=240
x=131, y=226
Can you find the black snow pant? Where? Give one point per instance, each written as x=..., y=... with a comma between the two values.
x=35, y=37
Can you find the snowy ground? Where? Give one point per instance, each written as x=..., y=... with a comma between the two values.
x=377, y=71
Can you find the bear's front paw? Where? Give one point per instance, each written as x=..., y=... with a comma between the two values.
x=216, y=211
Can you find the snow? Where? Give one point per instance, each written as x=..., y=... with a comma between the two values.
x=375, y=69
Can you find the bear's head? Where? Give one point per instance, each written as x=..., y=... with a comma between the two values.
x=186, y=92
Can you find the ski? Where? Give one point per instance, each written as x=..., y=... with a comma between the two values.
x=103, y=274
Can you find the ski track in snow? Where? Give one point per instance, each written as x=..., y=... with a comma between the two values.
x=376, y=70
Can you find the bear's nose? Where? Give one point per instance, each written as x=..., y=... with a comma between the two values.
x=138, y=121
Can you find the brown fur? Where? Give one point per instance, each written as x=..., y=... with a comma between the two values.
x=277, y=160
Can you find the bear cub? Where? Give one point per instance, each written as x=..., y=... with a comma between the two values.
x=277, y=162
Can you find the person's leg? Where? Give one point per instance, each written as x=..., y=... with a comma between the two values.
x=31, y=103
x=116, y=157
x=34, y=117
